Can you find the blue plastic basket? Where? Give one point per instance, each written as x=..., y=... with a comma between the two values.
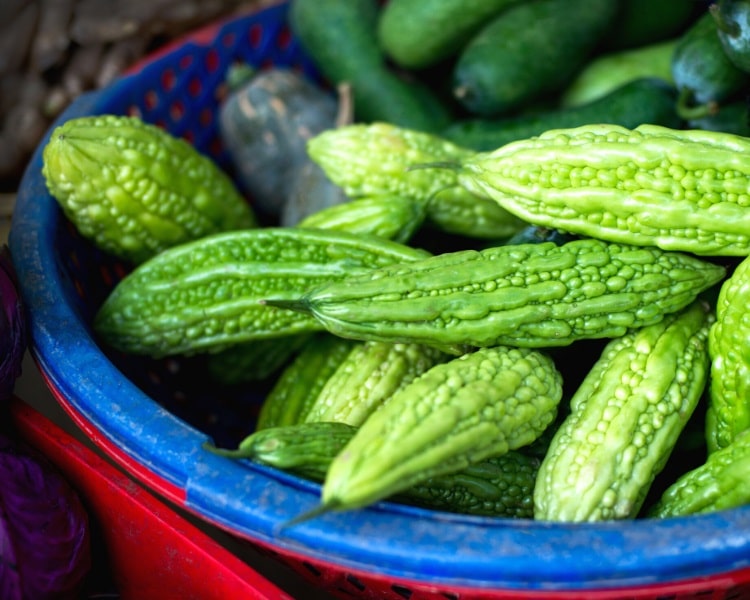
x=152, y=416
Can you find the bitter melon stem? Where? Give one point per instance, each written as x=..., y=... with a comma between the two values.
x=438, y=164
x=298, y=305
x=236, y=453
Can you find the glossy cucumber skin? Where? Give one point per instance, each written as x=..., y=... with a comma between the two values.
x=646, y=100
x=664, y=20
x=530, y=295
x=728, y=411
x=683, y=190
x=340, y=36
x=720, y=483
x=733, y=117
x=420, y=33
x=457, y=413
x=732, y=19
x=625, y=419
x=370, y=375
x=610, y=71
x=493, y=74
x=701, y=68
x=206, y=295
x=298, y=385
x=134, y=189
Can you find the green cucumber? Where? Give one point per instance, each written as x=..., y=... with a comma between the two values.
x=733, y=28
x=527, y=52
x=640, y=101
x=420, y=33
x=732, y=117
x=608, y=72
x=642, y=22
x=340, y=36
x=702, y=72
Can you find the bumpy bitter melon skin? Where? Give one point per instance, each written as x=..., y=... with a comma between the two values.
x=135, y=190
x=294, y=393
x=625, y=419
x=372, y=159
x=457, y=413
x=683, y=190
x=499, y=486
x=388, y=216
x=728, y=410
x=305, y=449
x=378, y=158
x=369, y=376
x=718, y=484
x=206, y=295
x=532, y=295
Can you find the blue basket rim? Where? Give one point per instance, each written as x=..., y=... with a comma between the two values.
x=388, y=539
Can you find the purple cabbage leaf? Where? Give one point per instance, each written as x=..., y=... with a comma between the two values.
x=45, y=540
x=13, y=335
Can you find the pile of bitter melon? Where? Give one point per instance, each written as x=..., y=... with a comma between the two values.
x=410, y=359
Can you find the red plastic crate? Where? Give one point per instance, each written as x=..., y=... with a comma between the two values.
x=154, y=552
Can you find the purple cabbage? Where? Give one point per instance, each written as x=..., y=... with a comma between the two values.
x=45, y=547
x=12, y=326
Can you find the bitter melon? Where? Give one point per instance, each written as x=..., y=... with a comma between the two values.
x=370, y=375
x=684, y=190
x=457, y=413
x=625, y=419
x=134, y=189
x=299, y=384
x=206, y=295
x=718, y=484
x=729, y=346
x=500, y=486
x=532, y=295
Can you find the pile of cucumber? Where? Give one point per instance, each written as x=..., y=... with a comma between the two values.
x=484, y=73
x=530, y=302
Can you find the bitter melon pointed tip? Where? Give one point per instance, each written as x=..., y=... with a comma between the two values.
x=447, y=164
x=316, y=511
